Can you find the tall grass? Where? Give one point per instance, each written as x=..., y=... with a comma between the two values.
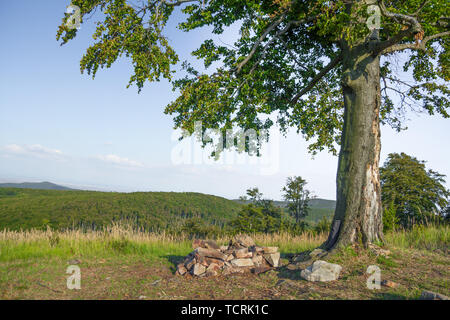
x=421, y=237
x=123, y=240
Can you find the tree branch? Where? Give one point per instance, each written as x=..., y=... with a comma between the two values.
x=401, y=18
x=414, y=46
x=264, y=36
x=415, y=14
x=317, y=78
x=414, y=27
x=178, y=3
x=260, y=40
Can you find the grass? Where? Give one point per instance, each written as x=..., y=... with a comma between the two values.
x=421, y=237
x=19, y=245
x=119, y=263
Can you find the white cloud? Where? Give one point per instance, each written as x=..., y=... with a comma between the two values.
x=114, y=159
x=35, y=150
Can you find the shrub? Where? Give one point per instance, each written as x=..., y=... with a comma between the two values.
x=323, y=226
x=390, y=219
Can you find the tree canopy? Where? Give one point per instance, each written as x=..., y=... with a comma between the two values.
x=285, y=68
x=328, y=69
x=411, y=193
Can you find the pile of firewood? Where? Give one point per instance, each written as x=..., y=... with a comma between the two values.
x=240, y=256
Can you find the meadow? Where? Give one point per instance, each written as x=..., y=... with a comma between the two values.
x=119, y=262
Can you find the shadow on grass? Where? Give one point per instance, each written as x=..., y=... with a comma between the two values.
x=391, y=296
x=285, y=274
x=174, y=261
x=288, y=256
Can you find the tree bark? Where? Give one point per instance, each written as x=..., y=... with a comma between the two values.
x=358, y=214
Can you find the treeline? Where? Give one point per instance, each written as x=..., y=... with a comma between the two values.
x=260, y=215
x=169, y=212
x=411, y=194
x=146, y=211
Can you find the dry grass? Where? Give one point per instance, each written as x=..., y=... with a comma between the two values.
x=121, y=263
x=116, y=232
x=124, y=240
x=421, y=237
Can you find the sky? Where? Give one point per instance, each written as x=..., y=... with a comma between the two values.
x=59, y=125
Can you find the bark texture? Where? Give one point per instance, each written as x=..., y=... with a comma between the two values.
x=358, y=215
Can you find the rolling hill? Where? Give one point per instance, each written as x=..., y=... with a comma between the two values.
x=34, y=185
x=37, y=205
x=28, y=208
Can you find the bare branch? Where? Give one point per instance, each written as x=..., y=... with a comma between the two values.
x=178, y=3
x=414, y=46
x=388, y=44
x=415, y=28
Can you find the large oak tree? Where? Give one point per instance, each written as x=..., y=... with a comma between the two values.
x=325, y=68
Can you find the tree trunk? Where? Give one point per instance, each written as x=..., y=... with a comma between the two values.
x=358, y=215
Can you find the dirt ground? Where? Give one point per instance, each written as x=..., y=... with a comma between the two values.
x=141, y=278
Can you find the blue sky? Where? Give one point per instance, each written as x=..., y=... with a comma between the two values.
x=58, y=125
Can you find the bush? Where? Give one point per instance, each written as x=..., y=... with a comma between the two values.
x=256, y=218
x=294, y=228
x=390, y=219
x=323, y=226
x=197, y=228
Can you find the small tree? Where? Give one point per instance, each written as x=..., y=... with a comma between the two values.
x=254, y=195
x=261, y=215
x=297, y=196
x=417, y=195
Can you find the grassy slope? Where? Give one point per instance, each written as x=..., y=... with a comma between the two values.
x=26, y=208
x=120, y=264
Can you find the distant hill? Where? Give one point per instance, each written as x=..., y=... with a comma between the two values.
x=35, y=185
x=319, y=208
x=27, y=208
x=36, y=205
